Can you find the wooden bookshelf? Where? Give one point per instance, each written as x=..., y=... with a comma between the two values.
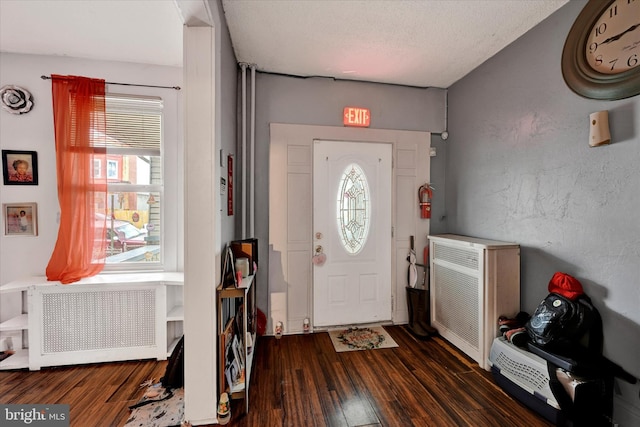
x=237, y=322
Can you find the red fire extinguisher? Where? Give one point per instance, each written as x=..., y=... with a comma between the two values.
x=425, y=193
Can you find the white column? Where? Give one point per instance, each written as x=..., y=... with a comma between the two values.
x=201, y=233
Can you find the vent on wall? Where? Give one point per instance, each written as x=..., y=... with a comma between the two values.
x=80, y=321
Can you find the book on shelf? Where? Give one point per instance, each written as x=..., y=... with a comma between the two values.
x=229, y=278
x=235, y=376
x=239, y=322
x=226, y=338
x=234, y=365
x=238, y=385
x=238, y=352
x=229, y=331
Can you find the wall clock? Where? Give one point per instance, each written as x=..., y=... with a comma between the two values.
x=601, y=56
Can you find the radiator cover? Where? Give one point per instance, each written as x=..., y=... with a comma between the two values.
x=80, y=321
x=472, y=281
x=457, y=306
x=75, y=324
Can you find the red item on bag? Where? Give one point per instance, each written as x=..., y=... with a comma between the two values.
x=565, y=285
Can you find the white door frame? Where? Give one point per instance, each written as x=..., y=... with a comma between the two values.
x=290, y=214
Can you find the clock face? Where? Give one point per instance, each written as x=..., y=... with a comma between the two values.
x=613, y=43
x=601, y=55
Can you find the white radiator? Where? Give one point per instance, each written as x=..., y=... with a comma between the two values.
x=473, y=282
x=457, y=304
x=89, y=324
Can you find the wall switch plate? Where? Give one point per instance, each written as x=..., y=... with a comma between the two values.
x=432, y=151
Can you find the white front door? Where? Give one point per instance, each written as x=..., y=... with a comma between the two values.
x=352, y=211
x=290, y=286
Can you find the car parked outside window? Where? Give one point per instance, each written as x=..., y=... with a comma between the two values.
x=122, y=236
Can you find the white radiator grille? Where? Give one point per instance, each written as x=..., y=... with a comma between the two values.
x=77, y=321
x=458, y=256
x=456, y=303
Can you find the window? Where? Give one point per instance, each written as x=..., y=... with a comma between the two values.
x=134, y=181
x=97, y=168
x=112, y=169
x=353, y=209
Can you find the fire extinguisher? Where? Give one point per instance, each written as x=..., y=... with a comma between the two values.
x=425, y=193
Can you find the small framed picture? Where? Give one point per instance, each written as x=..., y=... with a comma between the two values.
x=20, y=219
x=19, y=167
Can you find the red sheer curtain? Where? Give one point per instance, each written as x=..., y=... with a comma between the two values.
x=79, y=123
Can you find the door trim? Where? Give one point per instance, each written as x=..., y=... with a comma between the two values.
x=290, y=247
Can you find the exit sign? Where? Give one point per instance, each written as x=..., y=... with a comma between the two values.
x=355, y=116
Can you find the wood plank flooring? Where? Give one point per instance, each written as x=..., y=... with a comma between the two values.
x=301, y=381
x=98, y=394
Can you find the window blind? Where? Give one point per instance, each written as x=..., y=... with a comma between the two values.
x=134, y=124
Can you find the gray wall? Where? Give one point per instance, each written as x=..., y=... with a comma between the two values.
x=228, y=132
x=516, y=167
x=320, y=101
x=520, y=169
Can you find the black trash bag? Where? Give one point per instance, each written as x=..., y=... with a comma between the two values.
x=174, y=374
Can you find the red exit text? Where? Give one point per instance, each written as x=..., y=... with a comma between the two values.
x=355, y=116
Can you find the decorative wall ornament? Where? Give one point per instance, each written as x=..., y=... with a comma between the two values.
x=16, y=100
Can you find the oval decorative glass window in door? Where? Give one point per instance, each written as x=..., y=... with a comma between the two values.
x=354, y=206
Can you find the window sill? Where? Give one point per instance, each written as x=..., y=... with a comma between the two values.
x=166, y=277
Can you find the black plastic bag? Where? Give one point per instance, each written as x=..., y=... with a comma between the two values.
x=174, y=374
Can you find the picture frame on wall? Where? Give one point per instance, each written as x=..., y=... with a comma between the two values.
x=19, y=167
x=20, y=219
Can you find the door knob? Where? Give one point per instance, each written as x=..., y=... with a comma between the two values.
x=319, y=258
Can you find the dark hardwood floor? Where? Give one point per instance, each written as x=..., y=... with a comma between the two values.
x=300, y=380
x=97, y=394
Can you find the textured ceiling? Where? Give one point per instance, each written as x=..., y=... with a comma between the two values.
x=416, y=43
x=426, y=43
x=148, y=32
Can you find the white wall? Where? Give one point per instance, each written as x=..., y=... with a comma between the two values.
x=210, y=69
x=24, y=256
x=200, y=230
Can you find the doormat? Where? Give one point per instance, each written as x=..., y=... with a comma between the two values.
x=164, y=409
x=355, y=338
